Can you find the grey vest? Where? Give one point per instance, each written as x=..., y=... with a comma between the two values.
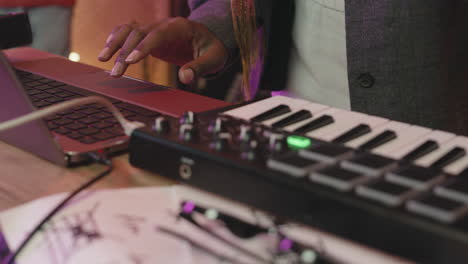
x=406, y=58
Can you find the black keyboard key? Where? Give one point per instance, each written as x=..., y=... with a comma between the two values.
x=315, y=124
x=42, y=95
x=112, y=121
x=98, y=106
x=103, y=136
x=338, y=178
x=75, y=116
x=438, y=208
x=328, y=153
x=451, y=156
x=292, y=164
x=421, y=150
x=385, y=192
x=61, y=93
x=61, y=130
x=102, y=125
x=101, y=115
x=54, y=91
x=33, y=91
x=456, y=189
x=54, y=100
x=355, y=132
x=369, y=164
x=43, y=87
x=293, y=118
x=35, y=77
x=118, y=131
x=89, y=120
x=74, y=135
x=21, y=73
x=89, y=111
x=31, y=83
x=63, y=121
x=88, y=140
x=56, y=84
x=379, y=140
x=274, y=112
x=45, y=80
x=40, y=104
x=66, y=112
x=75, y=126
x=53, y=117
x=72, y=97
x=88, y=131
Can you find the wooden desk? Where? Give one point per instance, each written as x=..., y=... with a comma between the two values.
x=25, y=177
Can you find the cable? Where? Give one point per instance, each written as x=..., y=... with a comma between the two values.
x=96, y=157
x=127, y=125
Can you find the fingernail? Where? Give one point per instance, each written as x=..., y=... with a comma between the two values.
x=118, y=69
x=111, y=36
x=133, y=56
x=188, y=75
x=104, y=53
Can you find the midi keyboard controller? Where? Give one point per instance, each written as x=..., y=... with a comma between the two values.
x=392, y=186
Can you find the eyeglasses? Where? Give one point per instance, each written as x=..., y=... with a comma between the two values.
x=284, y=250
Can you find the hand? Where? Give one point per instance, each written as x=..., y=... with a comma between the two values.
x=176, y=40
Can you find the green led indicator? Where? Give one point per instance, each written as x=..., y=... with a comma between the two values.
x=298, y=142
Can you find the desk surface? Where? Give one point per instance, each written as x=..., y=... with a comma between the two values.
x=26, y=177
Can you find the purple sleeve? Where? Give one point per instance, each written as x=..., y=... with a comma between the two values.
x=216, y=16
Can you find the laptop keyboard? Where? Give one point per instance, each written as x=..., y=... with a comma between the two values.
x=87, y=124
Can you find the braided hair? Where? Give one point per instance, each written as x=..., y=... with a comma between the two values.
x=245, y=31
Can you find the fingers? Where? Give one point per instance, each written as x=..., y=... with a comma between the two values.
x=115, y=41
x=157, y=37
x=211, y=61
x=131, y=42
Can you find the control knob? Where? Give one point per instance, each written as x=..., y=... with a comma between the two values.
x=246, y=133
x=188, y=117
x=221, y=141
x=161, y=125
x=217, y=126
x=188, y=132
x=249, y=149
x=276, y=141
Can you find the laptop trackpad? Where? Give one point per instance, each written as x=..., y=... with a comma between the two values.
x=103, y=82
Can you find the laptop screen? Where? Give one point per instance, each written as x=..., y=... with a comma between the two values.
x=33, y=137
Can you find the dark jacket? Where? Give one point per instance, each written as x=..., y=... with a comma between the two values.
x=407, y=59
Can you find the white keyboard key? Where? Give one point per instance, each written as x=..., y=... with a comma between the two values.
x=403, y=139
x=438, y=136
x=371, y=121
x=344, y=121
x=249, y=111
x=325, y=111
x=299, y=104
x=429, y=159
x=392, y=125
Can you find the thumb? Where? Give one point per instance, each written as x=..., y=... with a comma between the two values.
x=212, y=61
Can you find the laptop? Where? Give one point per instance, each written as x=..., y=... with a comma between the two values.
x=37, y=80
